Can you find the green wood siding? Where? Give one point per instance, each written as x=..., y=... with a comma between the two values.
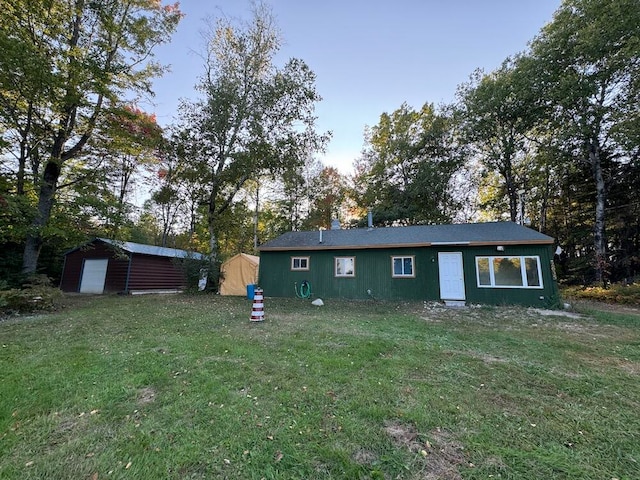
x=373, y=271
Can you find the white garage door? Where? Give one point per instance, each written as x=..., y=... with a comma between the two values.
x=94, y=273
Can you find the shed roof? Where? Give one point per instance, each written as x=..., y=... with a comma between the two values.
x=490, y=233
x=143, y=249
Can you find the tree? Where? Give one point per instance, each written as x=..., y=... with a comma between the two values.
x=64, y=63
x=329, y=191
x=252, y=119
x=496, y=112
x=407, y=165
x=109, y=168
x=293, y=195
x=586, y=65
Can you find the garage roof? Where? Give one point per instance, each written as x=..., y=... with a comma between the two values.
x=140, y=248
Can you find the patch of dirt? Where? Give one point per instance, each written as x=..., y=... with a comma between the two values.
x=485, y=357
x=365, y=457
x=66, y=428
x=632, y=368
x=403, y=436
x=556, y=313
x=440, y=453
x=146, y=395
x=444, y=456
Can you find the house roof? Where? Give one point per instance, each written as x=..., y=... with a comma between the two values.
x=143, y=249
x=491, y=233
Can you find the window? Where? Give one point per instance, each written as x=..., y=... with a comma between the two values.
x=509, y=272
x=345, y=267
x=299, y=263
x=402, y=267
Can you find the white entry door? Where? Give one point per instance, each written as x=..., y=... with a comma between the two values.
x=451, y=276
x=94, y=273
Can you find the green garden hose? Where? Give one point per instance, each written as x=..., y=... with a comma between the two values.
x=305, y=289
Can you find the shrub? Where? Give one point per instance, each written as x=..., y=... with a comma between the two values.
x=616, y=293
x=196, y=269
x=36, y=294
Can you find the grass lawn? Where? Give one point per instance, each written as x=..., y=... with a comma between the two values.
x=185, y=387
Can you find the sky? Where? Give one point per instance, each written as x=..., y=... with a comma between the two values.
x=369, y=56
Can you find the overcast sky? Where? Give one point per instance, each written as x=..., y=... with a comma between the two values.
x=369, y=56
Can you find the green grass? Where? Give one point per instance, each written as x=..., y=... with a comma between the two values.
x=185, y=387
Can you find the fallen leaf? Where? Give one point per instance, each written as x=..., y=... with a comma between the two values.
x=94, y=476
x=278, y=456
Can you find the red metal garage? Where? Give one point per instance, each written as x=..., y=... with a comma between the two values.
x=104, y=265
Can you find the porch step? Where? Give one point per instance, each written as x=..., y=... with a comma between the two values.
x=455, y=303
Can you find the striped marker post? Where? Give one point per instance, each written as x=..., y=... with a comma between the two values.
x=257, y=312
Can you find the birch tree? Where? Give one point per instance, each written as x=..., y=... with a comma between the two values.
x=252, y=119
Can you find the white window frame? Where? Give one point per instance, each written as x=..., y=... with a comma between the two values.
x=523, y=272
x=343, y=275
x=300, y=260
x=402, y=258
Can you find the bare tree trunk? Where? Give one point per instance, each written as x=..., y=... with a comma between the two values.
x=599, y=232
x=255, y=219
x=545, y=201
x=506, y=170
x=512, y=195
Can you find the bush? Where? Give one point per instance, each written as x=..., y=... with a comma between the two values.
x=195, y=269
x=36, y=295
x=628, y=294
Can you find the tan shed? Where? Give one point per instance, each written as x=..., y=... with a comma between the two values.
x=238, y=272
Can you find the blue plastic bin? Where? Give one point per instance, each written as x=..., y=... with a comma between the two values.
x=251, y=291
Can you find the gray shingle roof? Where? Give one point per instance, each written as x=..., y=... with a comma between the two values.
x=492, y=233
x=140, y=248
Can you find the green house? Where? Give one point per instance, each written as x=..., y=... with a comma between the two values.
x=486, y=263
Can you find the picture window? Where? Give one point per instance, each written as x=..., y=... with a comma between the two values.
x=509, y=272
